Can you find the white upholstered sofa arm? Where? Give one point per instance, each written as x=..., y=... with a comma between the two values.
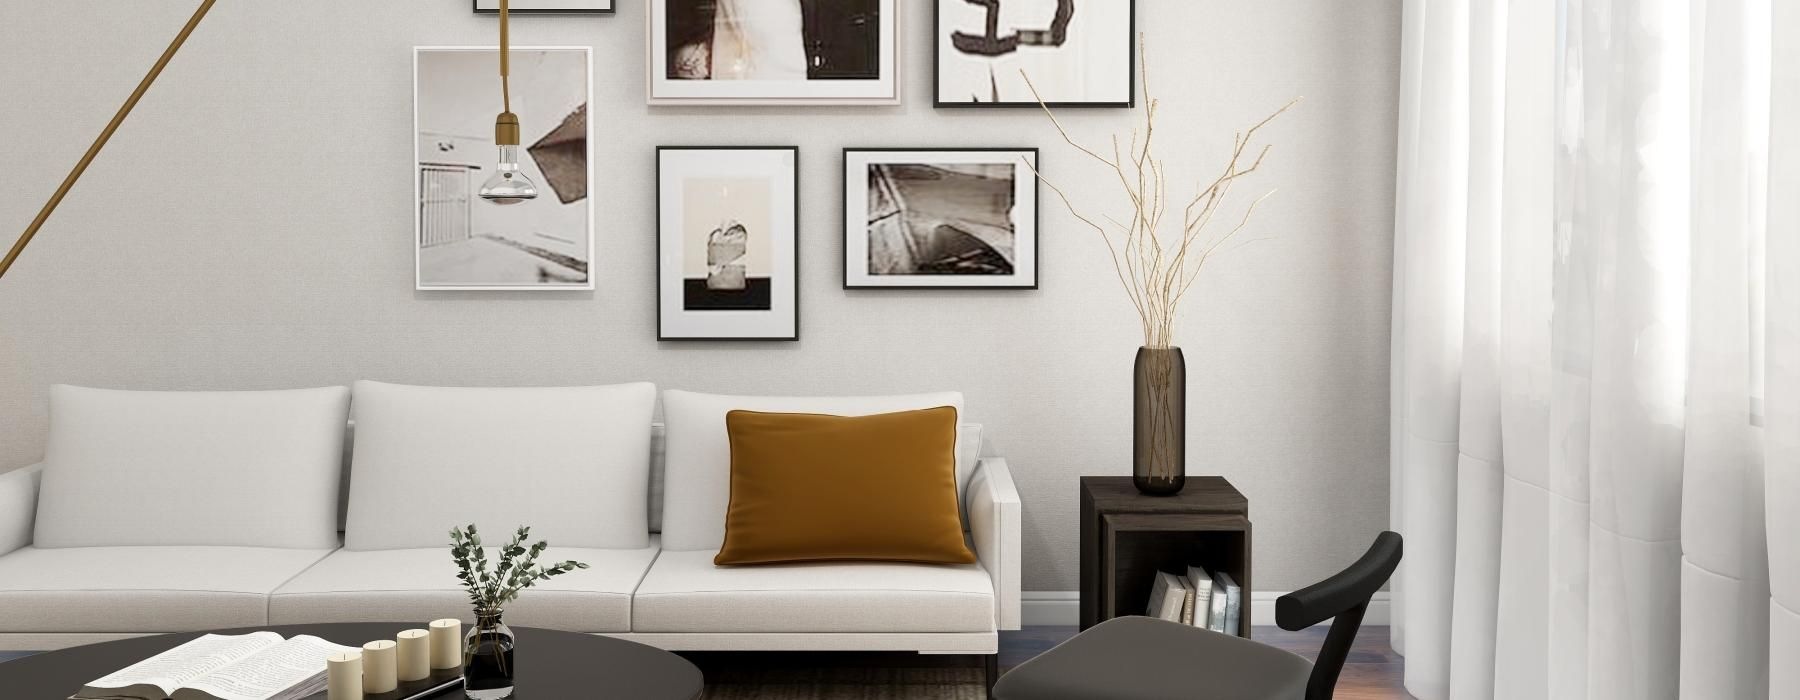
x=994, y=523
x=18, y=506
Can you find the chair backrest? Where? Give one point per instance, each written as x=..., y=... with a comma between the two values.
x=1343, y=598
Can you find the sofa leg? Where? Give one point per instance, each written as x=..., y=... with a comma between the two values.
x=990, y=663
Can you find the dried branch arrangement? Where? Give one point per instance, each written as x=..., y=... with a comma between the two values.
x=1158, y=264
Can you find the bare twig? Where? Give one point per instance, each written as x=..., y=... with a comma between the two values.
x=1158, y=267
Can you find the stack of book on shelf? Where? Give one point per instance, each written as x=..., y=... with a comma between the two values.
x=1199, y=598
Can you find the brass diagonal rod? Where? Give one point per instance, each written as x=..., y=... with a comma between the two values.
x=106, y=135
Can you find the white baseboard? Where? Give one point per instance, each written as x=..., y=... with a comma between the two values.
x=1063, y=608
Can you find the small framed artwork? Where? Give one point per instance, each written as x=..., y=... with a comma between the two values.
x=941, y=218
x=547, y=7
x=773, y=52
x=463, y=242
x=1078, y=53
x=727, y=242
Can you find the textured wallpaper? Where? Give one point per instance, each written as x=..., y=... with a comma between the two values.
x=251, y=226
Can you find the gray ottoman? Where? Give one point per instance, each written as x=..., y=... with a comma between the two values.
x=1141, y=658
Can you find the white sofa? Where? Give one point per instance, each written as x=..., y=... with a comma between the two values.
x=168, y=512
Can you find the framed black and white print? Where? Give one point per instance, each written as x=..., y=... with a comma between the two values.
x=941, y=218
x=465, y=243
x=547, y=7
x=727, y=242
x=1078, y=53
x=773, y=52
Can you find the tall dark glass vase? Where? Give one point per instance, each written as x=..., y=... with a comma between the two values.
x=488, y=657
x=1159, y=418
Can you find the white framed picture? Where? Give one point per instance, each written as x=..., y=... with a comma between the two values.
x=462, y=242
x=773, y=52
x=548, y=7
x=1078, y=53
x=952, y=218
x=727, y=232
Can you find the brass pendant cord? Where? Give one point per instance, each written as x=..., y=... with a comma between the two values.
x=105, y=135
x=505, y=58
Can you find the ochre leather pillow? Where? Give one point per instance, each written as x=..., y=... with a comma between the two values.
x=808, y=487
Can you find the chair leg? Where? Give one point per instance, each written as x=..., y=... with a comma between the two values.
x=991, y=665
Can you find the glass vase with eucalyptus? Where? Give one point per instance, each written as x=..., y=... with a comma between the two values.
x=488, y=658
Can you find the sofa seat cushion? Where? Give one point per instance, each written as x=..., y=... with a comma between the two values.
x=685, y=592
x=399, y=585
x=143, y=589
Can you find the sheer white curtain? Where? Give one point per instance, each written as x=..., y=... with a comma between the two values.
x=1580, y=398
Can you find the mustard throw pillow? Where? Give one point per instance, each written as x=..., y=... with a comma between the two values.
x=808, y=487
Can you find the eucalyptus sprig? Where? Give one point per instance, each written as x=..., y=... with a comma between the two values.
x=492, y=589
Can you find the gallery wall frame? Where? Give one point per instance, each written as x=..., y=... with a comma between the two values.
x=920, y=218
x=1006, y=49
x=447, y=212
x=547, y=7
x=839, y=59
x=735, y=309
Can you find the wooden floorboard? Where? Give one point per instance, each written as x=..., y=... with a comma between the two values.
x=1373, y=671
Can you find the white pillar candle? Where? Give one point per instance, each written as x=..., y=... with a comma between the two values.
x=446, y=643
x=415, y=655
x=344, y=678
x=378, y=667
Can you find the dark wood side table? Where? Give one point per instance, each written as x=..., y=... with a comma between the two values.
x=1126, y=537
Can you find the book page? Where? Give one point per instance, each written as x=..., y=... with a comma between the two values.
x=270, y=672
x=175, y=667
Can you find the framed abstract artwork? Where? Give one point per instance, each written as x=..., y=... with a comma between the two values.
x=941, y=218
x=727, y=243
x=548, y=7
x=1078, y=53
x=463, y=242
x=773, y=52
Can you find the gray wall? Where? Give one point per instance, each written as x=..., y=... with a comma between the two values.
x=251, y=226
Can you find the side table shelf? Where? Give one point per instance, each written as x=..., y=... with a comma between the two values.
x=1126, y=537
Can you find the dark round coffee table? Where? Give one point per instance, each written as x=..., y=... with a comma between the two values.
x=551, y=664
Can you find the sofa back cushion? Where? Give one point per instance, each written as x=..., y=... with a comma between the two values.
x=250, y=469
x=697, y=482
x=573, y=463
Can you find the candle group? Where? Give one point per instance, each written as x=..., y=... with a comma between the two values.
x=381, y=665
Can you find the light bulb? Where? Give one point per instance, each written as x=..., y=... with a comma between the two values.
x=509, y=184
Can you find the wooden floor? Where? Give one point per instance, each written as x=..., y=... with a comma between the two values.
x=1373, y=672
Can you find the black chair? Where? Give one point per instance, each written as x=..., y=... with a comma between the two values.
x=1132, y=658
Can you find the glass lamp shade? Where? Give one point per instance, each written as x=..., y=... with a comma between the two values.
x=509, y=184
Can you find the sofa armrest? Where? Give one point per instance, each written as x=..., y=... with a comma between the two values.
x=994, y=524
x=18, y=506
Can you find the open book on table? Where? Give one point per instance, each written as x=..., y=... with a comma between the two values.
x=256, y=666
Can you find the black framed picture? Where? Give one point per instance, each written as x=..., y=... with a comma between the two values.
x=941, y=218
x=773, y=52
x=727, y=242
x=547, y=7
x=1078, y=53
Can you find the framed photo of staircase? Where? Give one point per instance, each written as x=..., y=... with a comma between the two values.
x=942, y=218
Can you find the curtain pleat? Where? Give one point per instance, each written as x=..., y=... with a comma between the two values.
x=1781, y=412
x=1432, y=315
x=1724, y=577
x=1583, y=204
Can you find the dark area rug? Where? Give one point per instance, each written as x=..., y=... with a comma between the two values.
x=840, y=676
